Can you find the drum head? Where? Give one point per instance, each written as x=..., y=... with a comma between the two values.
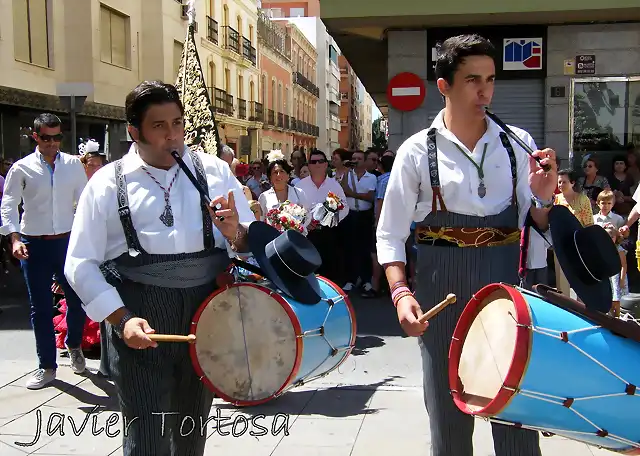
x=486, y=348
x=246, y=345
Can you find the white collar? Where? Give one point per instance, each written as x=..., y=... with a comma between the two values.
x=492, y=133
x=41, y=157
x=132, y=160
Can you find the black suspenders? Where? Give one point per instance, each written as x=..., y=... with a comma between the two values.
x=133, y=243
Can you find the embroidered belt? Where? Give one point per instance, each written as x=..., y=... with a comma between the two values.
x=466, y=237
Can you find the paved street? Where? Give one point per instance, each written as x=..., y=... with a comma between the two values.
x=372, y=406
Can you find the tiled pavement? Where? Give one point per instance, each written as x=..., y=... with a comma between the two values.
x=320, y=420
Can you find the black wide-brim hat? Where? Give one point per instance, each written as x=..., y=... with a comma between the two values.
x=587, y=255
x=287, y=259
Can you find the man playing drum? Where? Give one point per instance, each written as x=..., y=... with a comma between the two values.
x=167, y=248
x=469, y=189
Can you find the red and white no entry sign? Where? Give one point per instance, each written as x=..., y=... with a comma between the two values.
x=406, y=91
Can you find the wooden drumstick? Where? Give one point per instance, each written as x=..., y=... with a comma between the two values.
x=451, y=298
x=191, y=338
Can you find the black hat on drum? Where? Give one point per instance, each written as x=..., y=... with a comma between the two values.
x=587, y=255
x=287, y=259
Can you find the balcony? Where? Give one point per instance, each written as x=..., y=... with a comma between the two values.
x=222, y=101
x=275, y=37
x=271, y=118
x=287, y=123
x=294, y=124
x=231, y=39
x=212, y=30
x=242, y=108
x=248, y=51
x=256, y=112
x=280, y=120
x=298, y=78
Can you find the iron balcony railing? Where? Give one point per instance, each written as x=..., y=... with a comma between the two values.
x=271, y=118
x=242, y=108
x=232, y=39
x=256, y=112
x=219, y=101
x=212, y=30
x=248, y=51
x=287, y=124
x=302, y=81
x=280, y=120
x=294, y=124
x=277, y=38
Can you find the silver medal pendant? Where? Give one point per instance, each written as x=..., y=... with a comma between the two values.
x=167, y=216
x=482, y=190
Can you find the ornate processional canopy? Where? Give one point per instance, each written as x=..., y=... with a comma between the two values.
x=201, y=130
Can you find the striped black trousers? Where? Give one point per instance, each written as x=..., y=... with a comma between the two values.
x=163, y=402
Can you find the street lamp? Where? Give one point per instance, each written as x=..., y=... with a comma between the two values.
x=72, y=97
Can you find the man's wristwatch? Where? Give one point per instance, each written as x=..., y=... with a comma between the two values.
x=540, y=203
x=119, y=328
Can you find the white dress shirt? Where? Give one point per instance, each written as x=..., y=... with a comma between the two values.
x=268, y=199
x=613, y=218
x=48, y=196
x=97, y=234
x=367, y=183
x=409, y=187
x=317, y=195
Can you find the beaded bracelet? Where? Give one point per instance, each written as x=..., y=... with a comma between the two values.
x=399, y=284
x=398, y=297
x=399, y=290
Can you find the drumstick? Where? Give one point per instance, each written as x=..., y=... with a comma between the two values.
x=191, y=338
x=451, y=298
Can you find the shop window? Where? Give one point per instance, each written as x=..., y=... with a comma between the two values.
x=605, y=116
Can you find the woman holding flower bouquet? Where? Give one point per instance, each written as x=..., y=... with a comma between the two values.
x=278, y=172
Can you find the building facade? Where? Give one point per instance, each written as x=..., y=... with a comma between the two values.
x=229, y=59
x=276, y=85
x=102, y=49
x=366, y=121
x=291, y=9
x=568, y=73
x=350, y=134
x=305, y=91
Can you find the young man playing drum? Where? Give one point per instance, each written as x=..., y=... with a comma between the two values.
x=167, y=248
x=466, y=186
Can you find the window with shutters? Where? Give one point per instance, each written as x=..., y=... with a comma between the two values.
x=114, y=37
x=31, y=31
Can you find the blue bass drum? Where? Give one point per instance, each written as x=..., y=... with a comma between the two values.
x=254, y=344
x=519, y=359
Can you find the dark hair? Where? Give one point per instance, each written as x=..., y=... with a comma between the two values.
x=301, y=152
x=283, y=164
x=454, y=50
x=386, y=163
x=358, y=151
x=619, y=158
x=595, y=162
x=149, y=93
x=571, y=174
x=343, y=153
x=318, y=152
x=46, y=119
x=371, y=151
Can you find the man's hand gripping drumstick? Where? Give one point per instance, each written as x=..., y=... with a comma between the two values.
x=413, y=320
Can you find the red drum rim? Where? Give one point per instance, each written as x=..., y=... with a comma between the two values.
x=519, y=360
x=296, y=327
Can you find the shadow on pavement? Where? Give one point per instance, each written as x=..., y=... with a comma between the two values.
x=364, y=343
x=105, y=403
x=336, y=402
x=376, y=317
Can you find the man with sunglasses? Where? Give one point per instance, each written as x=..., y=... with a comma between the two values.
x=48, y=183
x=317, y=187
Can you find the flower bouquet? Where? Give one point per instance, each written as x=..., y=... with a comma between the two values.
x=288, y=216
x=327, y=212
